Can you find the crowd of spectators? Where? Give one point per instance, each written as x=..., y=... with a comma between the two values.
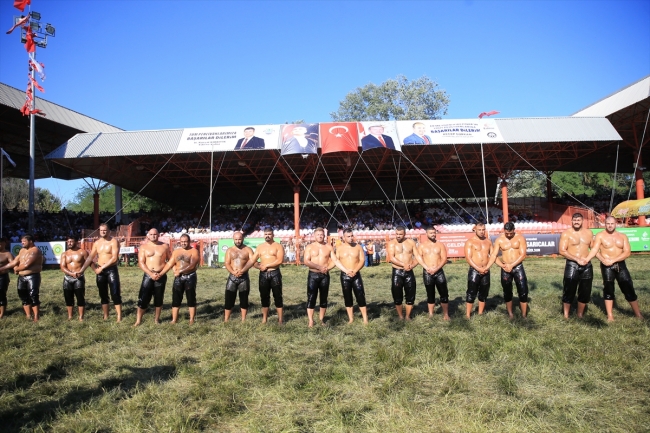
x=366, y=216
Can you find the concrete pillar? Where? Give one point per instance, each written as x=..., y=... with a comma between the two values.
x=118, y=204
x=640, y=186
x=296, y=220
x=504, y=200
x=549, y=197
x=96, y=209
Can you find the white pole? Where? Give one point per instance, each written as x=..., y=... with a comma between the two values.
x=487, y=216
x=32, y=155
x=210, y=214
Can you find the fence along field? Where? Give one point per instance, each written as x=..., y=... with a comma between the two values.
x=484, y=374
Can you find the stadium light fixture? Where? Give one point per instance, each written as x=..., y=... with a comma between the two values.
x=35, y=15
x=49, y=29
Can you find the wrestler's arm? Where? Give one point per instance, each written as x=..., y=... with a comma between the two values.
x=335, y=262
x=468, y=255
x=142, y=262
x=169, y=264
x=246, y=265
x=414, y=261
x=115, y=254
x=494, y=252
x=228, y=262
x=90, y=258
x=252, y=261
x=307, y=261
x=30, y=259
x=595, y=249
x=626, y=252
x=280, y=256
x=64, y=265
x=417, y=253
x=390, y=255
x=362, y=259
x=12, y=263
x=443, y=258
x=564, y=247
x=522, y=252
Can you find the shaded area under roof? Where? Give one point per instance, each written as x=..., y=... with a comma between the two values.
x=56, y=127
x=132, y=159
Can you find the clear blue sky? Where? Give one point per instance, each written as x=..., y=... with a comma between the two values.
x=174, y=64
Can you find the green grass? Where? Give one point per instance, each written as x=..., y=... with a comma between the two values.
x=543, y=374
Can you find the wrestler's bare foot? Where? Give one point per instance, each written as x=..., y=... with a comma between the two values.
x=511, y=316
x=36, y=318
x=81, y=319
x=69, y=318
x=136, y=324
x=350, y=320
x=191, y=321
x=264, y=320
x=173, y=322
x=157, y=321
x=311, y=324
x=408, y=318
x=446, y=317
x=610, y=318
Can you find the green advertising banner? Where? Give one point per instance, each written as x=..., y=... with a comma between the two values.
x=224, y=244
x=639, y=237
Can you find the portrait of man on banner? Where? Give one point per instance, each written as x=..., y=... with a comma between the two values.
x=378, y=135
x=249, y=141
x=299, y=138
x=419, y=135
x=339, y=137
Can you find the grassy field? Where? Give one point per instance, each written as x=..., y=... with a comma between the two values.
x=543, y=374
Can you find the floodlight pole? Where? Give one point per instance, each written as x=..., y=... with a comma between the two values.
x=2, y=193
x=32, y=153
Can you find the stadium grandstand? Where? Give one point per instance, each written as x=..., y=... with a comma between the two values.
x=447, y=184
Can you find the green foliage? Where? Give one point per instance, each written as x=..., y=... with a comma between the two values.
x=487, y=374
x=590, y=184
x=84, y=201
x=394, y=99
x=16, y=196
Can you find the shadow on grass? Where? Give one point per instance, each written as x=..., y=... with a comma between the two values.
x=27, y=415
x=56, y=370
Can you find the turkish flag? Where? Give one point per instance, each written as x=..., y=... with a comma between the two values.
x=339, y=137
x=20, y=4
x=20, y=22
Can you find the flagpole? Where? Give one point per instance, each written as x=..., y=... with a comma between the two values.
x=32, y=154
x=487, y=217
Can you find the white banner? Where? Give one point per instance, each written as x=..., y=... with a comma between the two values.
x=464, y=131
x=51, y=251
x=223, y=138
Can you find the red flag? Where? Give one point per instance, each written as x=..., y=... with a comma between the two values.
x=22, y=21
x=38, y=86
x=20, y=4
x=339, y=137
x=488, y=113
x=30, y=46
x=38, y=111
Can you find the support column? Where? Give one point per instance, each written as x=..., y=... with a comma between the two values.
x=504, y=200
x=549, y=196
x=296, y=221
x=640, y=186
x=96, y=209
x=118, y=204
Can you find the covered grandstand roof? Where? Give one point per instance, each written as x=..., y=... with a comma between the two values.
x=56, y=127
x=136, y=158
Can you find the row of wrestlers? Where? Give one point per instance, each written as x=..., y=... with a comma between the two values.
x=577, y=244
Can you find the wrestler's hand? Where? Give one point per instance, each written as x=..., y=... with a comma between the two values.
x=155, y=276
x=507, y=267
x=263, y=268
x=98, y=270
x=582, y=262
x=351, y=274
x=176, y=272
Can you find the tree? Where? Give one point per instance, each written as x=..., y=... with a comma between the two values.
x=16, y=196
x=398, y=99
x=84, y=201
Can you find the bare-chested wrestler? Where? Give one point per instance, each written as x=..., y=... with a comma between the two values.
x=152, y=257
x=578, y=272
x=352, y=258
x=237, y=261
x=477, y=254
x=185, y=260
x=319, y=257
x=5, y=257
x=271, y=255
x=513, y=252
x=28, y=265
x=432, y=255
x=74, y=282
x=612, y=248
x=107, y=251
x=400, y=252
